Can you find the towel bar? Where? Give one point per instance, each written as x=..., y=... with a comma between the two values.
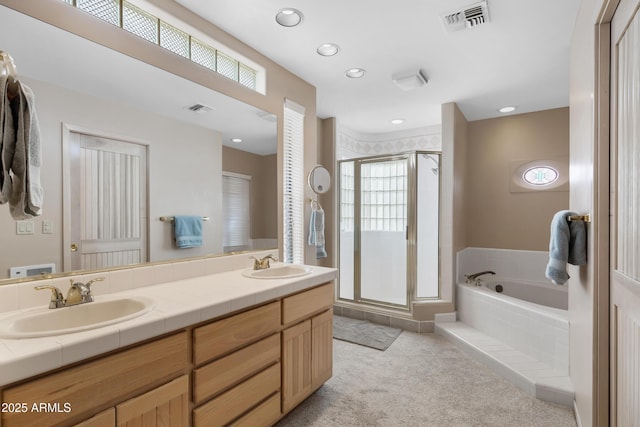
x=170, y=218
x=584, y=218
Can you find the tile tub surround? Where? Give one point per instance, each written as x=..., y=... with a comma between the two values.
x=524, y=342
x=219, y=289
x=509, y=264
x=533, y=377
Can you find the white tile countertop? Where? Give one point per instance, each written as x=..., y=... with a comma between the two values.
x=177, y=305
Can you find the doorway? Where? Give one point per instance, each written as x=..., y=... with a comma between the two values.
x=105, y=200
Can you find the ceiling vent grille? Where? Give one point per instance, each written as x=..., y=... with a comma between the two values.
x=467, y=17
x=199, y=108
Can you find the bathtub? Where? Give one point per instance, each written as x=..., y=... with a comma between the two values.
x=530, y=317
x=545, y=294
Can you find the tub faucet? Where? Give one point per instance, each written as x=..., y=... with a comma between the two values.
x=475, y=278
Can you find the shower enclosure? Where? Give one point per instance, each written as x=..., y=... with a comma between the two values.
x=389, y=223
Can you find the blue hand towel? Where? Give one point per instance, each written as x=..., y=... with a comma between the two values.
x=568, y=243
x=187, y=231
x=316, y=232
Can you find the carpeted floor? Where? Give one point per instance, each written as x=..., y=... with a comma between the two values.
x=421, y=380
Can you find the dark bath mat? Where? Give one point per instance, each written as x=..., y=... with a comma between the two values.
x=364, y=333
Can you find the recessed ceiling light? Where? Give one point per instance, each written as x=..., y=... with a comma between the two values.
x=289, y=17
x=236, y=140
x=355, y=73
x=507, y=109
x=328, y=49
x=397, y=121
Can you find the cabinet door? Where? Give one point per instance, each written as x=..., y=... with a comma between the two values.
x=321, y=348
x=296, y=364
x=167, y=405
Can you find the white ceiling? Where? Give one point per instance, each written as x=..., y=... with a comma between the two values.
x=521, y=57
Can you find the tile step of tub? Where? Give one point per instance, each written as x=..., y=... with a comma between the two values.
x=528, y=374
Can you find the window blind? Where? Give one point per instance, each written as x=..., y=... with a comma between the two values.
x=235, y=212
x=293, y=191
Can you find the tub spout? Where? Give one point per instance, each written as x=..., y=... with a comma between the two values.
x=475, y=278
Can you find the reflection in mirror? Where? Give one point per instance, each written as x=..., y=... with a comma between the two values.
x=102, y=98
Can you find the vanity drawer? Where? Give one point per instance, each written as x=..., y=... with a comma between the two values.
x=217, y=376
x=264, y=415
x=223, y=336
x=240, y=399
x=303, y=305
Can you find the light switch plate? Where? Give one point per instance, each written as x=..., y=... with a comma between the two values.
x=24, y=227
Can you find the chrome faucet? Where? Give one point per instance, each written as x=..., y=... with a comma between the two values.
x=78, y=293
x=475, y=278
x=263, y=263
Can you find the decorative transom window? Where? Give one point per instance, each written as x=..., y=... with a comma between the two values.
x=540, y=175
x=143, y=24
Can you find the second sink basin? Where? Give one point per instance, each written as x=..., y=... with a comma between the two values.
x=43, y=322
x=285, y=271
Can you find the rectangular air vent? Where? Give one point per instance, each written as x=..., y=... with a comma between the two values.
x=199, y=108
x=467, y=17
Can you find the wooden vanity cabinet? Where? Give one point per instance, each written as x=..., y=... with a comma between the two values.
x=307, y=344
x=244, y=370
x=100, y=383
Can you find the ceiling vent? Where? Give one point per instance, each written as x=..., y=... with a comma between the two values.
x=409, y=81
x=199, y=108
x=467, y=17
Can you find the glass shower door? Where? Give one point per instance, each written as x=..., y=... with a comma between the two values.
x=381, y=252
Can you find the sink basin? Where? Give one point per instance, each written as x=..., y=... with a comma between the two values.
x=281, y=272
x=42, y=322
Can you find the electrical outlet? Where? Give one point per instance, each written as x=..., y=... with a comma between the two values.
x=47, y=226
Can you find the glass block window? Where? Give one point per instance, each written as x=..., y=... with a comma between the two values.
x=347, y=197
x=145, y=25
x=247, y=76
x=540, y=175
x=173, y=39
x=107, y=10
x=227, y=66
x=383, y=196
x=139, y=22
x=203, y=54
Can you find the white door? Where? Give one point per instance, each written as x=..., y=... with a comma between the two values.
x=106, y=205
x=625, y=232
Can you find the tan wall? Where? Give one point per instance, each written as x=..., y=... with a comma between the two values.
x=513, y=220
x=327, y=158
x=453, y=224
x=264, y=191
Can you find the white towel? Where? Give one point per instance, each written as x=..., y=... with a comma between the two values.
x=26, y=196
x=567, y=244
x=316, y=232
x=20, y=152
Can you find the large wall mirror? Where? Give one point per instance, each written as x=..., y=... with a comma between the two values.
x=98, y=109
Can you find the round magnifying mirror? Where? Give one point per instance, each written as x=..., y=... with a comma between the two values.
x=319, y=179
